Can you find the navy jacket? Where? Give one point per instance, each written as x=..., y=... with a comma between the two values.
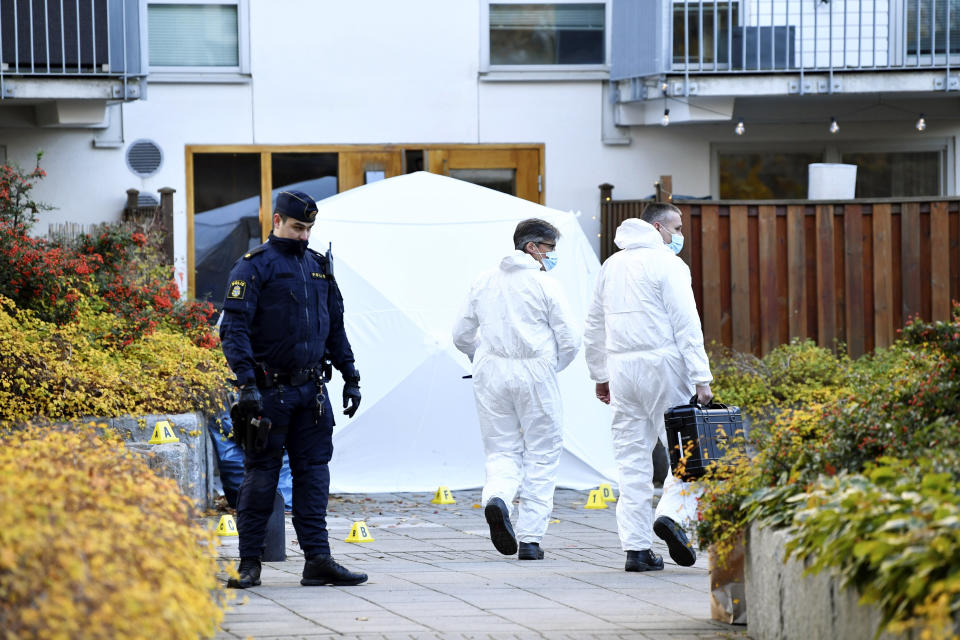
x=283, y=311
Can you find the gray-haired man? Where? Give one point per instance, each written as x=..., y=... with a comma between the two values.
x=517, y=331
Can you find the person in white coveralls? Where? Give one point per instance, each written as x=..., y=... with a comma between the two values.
x=644, y=349
x=516, y=328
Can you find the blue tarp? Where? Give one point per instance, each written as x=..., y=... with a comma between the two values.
x=230, y=463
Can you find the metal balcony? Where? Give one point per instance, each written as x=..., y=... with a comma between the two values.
x=903, y=45
x=71, y=50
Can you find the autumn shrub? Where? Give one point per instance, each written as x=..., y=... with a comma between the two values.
x=794, y=374
x=862, y=459
x=58, y=372
x=17, y=206
x=894, y=532
x=40, y=276
x=136, y=284
x=94, y=545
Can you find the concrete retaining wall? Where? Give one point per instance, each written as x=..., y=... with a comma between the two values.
x=783, y=604
x=190, y=462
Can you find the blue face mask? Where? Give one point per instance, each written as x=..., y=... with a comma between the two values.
x=676, y=242
x=550, y=260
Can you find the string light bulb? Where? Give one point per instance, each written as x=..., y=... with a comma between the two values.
x=739, y=129
x=666, y=117
x=834, y=127
x=921, y=123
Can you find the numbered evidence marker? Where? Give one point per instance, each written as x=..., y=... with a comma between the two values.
x=443, y=496
x=163, y=433
x=606, y=491
x=359, y=532
x=227, y=526
x=595, y=501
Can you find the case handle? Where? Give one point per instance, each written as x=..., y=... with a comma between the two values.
x=713, y=403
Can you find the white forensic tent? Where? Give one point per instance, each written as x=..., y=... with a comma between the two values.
x=405, y=252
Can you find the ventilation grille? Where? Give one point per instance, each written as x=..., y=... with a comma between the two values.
x=147, y=200
x=144, y=158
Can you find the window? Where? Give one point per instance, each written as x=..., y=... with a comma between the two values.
x=764, y=175
x=195, y=37
x=536, y=34
x=896, y=174
x=890, y=170
x=925, y=9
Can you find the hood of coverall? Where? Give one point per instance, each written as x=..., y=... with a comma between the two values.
x=520, y=260
x=635, y=233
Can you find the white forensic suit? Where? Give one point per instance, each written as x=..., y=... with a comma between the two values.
x=643, y=336
x=516, y=328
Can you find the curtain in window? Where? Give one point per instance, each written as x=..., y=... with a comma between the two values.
x=193, y=35
x=547, y=33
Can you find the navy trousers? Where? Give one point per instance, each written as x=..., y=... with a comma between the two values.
x=309, y=444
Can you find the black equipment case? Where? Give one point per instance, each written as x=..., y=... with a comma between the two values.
x=709, y=428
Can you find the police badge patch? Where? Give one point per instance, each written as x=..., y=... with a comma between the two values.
x=237, y=290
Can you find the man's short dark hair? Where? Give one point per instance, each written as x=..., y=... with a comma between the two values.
x=657, y=211
x=534, y=230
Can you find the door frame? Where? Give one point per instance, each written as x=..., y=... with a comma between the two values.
x=351, y=158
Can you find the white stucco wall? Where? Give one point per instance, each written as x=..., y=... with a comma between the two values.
x=365, y=71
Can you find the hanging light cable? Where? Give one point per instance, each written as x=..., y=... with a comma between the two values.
x=834, y=127
x=739, y=129
x=666, y=117
x=921, y=123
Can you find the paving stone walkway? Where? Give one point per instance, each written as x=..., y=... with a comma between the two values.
x=434, y=574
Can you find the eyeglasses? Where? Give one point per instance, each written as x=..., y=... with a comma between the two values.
x=547, y=244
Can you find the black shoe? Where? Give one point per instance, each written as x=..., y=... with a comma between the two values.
x=322, y=570
x=249, y=571
x=645, y=560
x=530, y=551
x=501, y=531
x=680, y=549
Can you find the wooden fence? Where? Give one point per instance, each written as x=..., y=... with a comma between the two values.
x=852, y=272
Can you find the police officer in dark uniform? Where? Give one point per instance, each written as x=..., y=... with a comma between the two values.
x=283, y=314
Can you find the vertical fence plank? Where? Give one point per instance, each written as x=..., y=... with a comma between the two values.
x=826, y=299
x=954, y=216
x=853, y=282
x=740, y=278
x=769, y=313
x=910, y=259
x=695, y=240
x=939, y=262
x=867, y=265
x=753, y=248
x=882, y=277
x=796, y=272
x=783, y=316
x=710, y=236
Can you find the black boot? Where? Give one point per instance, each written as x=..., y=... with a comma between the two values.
x=249, y=571
x=645, y=560
x=530, y=551
x=680, y=549
x=501, y=531
x=321, y=570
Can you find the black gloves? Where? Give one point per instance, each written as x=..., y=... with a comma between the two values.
x=249, y=400
x=351, y=393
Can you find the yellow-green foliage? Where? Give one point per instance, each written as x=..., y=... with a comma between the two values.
x=94, y=545
x=795, y=374
x=65, y=372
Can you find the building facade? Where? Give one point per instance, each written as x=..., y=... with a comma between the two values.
x=228, y=101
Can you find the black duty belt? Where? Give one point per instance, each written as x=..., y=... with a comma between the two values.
x=270, y=378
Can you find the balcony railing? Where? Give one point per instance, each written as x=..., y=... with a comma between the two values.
x=70, y=38
x=756, y=36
